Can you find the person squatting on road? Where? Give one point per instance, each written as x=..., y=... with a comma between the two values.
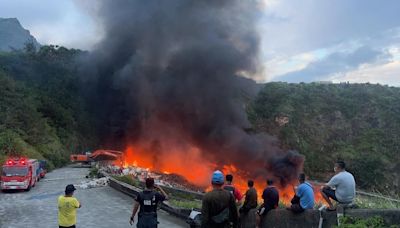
x=304, y=196
x=147, y=201
x=341, y=187
x=67, y=206
x=219, y=207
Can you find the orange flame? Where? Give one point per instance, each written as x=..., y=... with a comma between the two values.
x=197, y=170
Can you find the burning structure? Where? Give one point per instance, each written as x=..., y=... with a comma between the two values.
x=167, y=81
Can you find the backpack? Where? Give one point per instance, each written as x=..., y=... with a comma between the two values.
x=230, y=189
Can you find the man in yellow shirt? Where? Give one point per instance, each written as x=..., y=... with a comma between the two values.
x=67, y=206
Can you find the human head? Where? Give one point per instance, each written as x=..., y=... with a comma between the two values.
x=217, y=178
x=69, y=190
x=302, y=177
x=339, y=166
x=149, y=183
x=229, y=178
x=250, y=183
x=270, y=182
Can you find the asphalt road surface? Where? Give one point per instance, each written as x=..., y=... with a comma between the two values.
x=101, y=207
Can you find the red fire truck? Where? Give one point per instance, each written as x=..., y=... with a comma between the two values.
x=19, y=173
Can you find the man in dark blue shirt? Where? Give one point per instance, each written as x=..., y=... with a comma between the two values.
x=271, y=200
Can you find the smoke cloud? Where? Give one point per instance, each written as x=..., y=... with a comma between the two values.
x=167, y=77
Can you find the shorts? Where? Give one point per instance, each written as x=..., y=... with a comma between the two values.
x=330, y=193
x=73, y=226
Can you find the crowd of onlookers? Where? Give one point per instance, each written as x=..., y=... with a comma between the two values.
x=220, y=206
x=224, y=206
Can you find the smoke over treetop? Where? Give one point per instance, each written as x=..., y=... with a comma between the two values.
x=165, y=79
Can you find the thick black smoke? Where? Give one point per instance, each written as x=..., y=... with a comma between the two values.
x=167, y=74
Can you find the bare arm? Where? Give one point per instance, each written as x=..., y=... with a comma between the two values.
x=162, y=192
x=135, y=209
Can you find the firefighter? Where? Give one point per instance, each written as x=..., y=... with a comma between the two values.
x=218, y=207
x=67, y=206
x=147, y=201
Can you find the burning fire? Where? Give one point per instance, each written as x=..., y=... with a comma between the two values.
x=198, y=170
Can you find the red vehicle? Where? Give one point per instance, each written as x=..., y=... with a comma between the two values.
x=19, y=173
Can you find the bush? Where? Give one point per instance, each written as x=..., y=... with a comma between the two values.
x=373, y=222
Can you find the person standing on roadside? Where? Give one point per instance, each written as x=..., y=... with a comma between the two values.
x=231, y=188
x=67, y=206
x=219, y=207
x=147, y=201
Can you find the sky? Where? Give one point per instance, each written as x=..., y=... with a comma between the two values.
x=355, y=41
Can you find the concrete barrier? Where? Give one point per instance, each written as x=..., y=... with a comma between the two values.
x=281, y=218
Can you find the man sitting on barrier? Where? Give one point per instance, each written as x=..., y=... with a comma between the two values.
x=341, y=187
x=271, y=201
x=304, y=196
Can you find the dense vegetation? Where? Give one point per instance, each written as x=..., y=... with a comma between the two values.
x=357, y=123
x=42, y=114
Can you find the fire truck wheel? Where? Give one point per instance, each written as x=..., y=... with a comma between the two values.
x=29, y=188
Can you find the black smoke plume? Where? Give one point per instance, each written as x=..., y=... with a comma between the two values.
x=168, y=73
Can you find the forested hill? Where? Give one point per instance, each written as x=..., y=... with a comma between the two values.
x=42, y=113
x=358, y=123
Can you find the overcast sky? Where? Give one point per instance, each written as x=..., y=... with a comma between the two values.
x=303, y=41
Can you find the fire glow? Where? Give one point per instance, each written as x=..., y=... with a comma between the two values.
x=198, y=171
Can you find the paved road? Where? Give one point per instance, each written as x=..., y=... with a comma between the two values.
x=101, y=207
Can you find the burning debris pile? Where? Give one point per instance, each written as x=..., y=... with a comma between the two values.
x=167, y=84
x=164, y=179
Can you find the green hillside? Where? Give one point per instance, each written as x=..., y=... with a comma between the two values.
x=42, y=114
x=359, y=123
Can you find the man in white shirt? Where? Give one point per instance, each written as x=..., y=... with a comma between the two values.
x=341, y=187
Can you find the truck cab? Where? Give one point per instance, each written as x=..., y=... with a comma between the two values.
x=19, y=173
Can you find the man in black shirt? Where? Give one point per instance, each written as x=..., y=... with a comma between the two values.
x=148, y=200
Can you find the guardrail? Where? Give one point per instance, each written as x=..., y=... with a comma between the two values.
x=133, y=191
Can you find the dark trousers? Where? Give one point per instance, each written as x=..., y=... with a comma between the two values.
x=295, y=207
x=66, y=226
x=147, y=221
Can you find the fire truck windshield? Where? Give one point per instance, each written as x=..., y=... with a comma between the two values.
x=14, y=171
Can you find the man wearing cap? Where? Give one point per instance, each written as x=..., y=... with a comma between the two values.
x=218, y=207
x=147, y=201
x=67, y=206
